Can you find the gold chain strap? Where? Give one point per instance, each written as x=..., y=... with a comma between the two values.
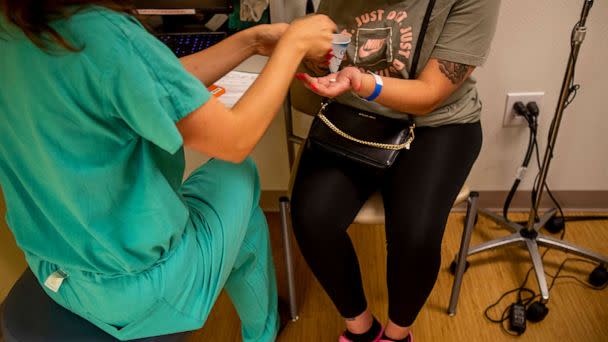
x=406, y=145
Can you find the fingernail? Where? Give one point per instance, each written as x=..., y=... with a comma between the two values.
x=329, y=56
x=327, y=63
x=300, y=76
x=314, y=87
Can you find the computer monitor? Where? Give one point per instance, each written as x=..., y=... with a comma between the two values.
x=183, y=6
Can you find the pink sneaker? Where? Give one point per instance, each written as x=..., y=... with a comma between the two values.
x=409, y=335
x=377, y=339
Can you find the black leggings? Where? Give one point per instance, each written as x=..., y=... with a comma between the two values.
x=418, y=192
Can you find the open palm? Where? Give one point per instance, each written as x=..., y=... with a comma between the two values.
x=335, y=84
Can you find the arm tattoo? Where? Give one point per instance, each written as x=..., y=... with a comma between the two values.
x=455, y=72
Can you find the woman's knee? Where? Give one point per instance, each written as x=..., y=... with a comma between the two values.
x=311, y=221
x=231, y=191
x=416, y=241
x=249, y=171
x=304, y=219
x=229, y=175
x=246, y=169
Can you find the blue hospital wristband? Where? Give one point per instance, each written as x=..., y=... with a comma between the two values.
x=377, y=89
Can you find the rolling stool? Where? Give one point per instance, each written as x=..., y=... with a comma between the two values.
x=29, y=315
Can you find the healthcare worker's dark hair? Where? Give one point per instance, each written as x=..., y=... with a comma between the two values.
x=33, y=17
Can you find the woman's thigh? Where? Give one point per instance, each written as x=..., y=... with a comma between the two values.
x=422, y=185
x=328, y=192
x=223, y=199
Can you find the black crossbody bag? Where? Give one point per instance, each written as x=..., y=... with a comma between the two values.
x=362, y=136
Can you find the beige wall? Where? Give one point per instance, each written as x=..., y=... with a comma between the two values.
x=12, y=262
x=529, y=54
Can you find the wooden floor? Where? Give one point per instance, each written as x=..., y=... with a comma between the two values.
x=12, y=261
x=576, y=313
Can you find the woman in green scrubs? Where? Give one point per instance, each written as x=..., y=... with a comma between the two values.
x=95, y=113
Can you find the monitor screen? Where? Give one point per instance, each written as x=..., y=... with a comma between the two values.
x=209, y=6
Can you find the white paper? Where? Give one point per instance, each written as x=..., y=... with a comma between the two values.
x=236, y=84
x=216, y=22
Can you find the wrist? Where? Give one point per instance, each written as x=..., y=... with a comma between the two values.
x=251, y=39
x=295, y=41
x=368, y=84
x=289, y=44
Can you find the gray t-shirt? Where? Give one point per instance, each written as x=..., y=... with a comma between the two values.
x=384, y=35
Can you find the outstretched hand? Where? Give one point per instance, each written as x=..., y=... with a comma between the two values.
x=333, y=85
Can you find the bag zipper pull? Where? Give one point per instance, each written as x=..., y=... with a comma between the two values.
x=411, y=138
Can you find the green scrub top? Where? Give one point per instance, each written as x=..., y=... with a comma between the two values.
x=91, y=159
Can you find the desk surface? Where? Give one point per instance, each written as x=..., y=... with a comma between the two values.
x=253, y=64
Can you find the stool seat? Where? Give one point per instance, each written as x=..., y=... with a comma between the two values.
x=29, y=315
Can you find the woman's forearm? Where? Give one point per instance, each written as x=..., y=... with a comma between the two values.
x=415, y=97
x=213, y=63
x=258, y=106
x=438, y=80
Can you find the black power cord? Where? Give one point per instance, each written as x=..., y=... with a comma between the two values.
x=535, y=311
x=521, y=303
x=521, y=110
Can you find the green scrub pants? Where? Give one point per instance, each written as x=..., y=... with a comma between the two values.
x=225, y=245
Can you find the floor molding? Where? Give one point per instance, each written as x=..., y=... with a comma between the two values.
x=588, y=201
x=569, y=200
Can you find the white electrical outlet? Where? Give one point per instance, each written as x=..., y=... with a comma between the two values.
x=511, y=118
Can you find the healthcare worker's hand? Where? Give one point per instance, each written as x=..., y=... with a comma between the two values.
x=333, y=85
x=311, y=35
x=266, y=37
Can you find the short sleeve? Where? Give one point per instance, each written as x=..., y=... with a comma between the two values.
x=148, y=88
x=468, y=32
